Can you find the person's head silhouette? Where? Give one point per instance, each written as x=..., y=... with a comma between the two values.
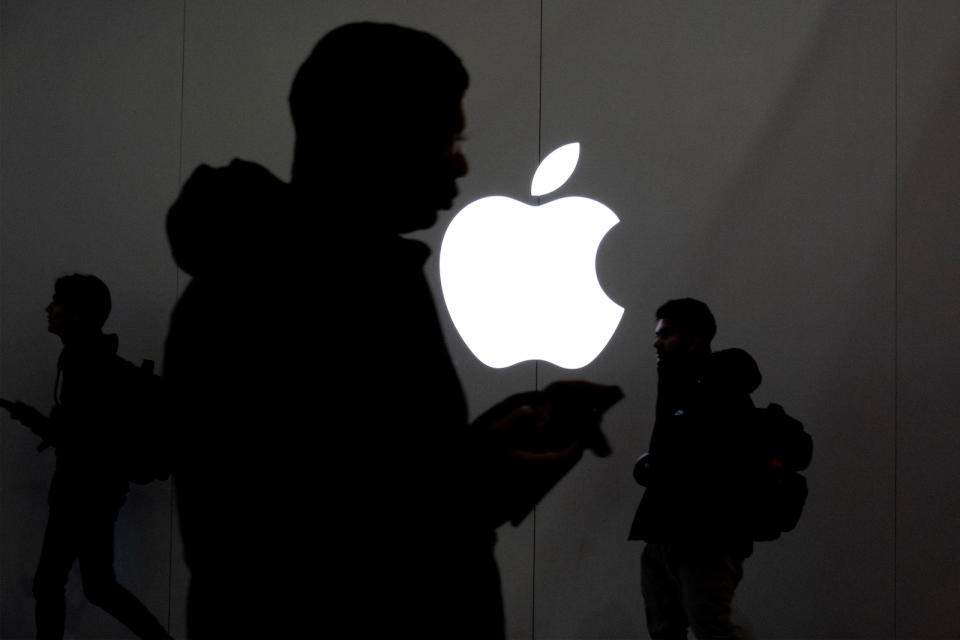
x=377, y=112
x=685, y=328
x=80, y=307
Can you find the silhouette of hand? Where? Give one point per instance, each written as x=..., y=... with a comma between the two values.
x=535, y=438
x=553, y=425
x=577, y=408
x=538, y=445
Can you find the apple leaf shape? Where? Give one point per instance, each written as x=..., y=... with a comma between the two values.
x=555, y=169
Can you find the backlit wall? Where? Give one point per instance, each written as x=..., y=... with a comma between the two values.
x=793, y=164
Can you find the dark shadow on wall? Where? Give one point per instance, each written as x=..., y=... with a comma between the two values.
x=735, y=221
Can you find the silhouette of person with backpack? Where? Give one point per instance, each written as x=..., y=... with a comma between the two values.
x=695, y=513
x=328, y=481
x=89, y=484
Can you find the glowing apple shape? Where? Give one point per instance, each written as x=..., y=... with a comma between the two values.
x=520, y=281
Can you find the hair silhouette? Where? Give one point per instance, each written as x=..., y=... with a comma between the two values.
x=691, y=316
x=86, y=296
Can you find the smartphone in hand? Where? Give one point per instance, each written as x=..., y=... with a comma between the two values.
x=552, y=419
x=24, y=414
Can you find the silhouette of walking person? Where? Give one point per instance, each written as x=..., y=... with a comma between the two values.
x=328, y=481
x=89, y=484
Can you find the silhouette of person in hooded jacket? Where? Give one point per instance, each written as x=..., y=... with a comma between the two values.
x=695, y=512
x=90, y=483
x=328, y=481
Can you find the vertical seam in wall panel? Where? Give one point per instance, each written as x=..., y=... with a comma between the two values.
x=3, y=448
x=183, y=58
x=896, y=301
x=536, y=363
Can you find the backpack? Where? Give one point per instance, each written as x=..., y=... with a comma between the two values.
x=781, y=449
x=142, y=438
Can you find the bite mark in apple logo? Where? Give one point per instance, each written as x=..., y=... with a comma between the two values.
x=520, y=281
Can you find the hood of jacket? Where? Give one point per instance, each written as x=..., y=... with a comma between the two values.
x=226, y=218
x=735, y=370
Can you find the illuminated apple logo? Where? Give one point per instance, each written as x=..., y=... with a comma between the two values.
x=520, y=281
